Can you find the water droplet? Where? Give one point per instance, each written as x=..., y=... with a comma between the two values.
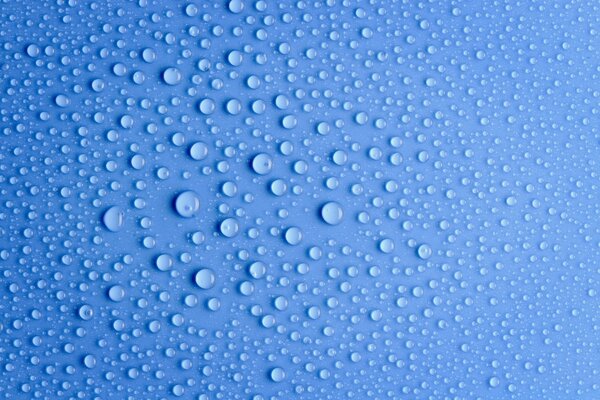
x=262, y=163
x=236, y=6
x=164, y=262
x=199, y=151
x=187, y=204
x=86, y=312
x=172, y=76
x=332, y=213
x=116, y=293
x=89, y=361
x=293, y=235
x=229, y=227
x=205, y=278
x=257, y=269
x=207, y=106
x=277, y=374
x=424, y=251
x=386, y=245
x=114, y=219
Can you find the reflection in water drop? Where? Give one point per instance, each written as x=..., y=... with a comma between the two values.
x=332, y=213
x=114, y=219
x=187, y=204
x=205, y=278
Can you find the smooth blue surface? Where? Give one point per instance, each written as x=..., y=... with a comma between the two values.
x=299, y=200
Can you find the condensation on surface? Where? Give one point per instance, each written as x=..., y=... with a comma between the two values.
x=270, y=200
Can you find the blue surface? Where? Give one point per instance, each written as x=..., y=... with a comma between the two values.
x=299, y=200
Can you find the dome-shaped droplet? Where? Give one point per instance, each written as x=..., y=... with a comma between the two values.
x=277, y=374
x=86, y=312
x=199, y=151
x=207, y=106
x=164, y=262
x=187, y=204
x=262, y=163
x=172, y=76
x=424, y=251
x=332, y=213
x=386, y=245
x=257, y=269
x=114, y=218
x=116, y=293
x=235, y=6
x=293, y=235
x=229, y=227
x=89, y=361
x=205, y=278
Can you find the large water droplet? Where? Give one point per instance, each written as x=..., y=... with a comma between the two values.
x=262, y=163
x=332, y=213
x=172, y=76
x=187, y=204
x=277, y=374
x=205, y=278
x=229, y=227
x=114, y=219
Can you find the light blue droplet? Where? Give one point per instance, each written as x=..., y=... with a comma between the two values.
x=205, y=278
x=332, y=213
x=386, y=246
x=424, y=251
x=236, y=6
x=86, y=312
x=172, y=76
x=246, y=288
x=262, y=164
x=293, y=235
x=257, y=269
x=116, y=293
x=89, y=361
x=207, y=106
x=229, y=227
x=164, y=262
x=277, y=374
x=114, y=219
x=187, y=204
x=199, y=151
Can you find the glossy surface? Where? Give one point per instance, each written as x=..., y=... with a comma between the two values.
x=324, y=200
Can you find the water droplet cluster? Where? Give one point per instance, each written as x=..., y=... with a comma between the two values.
x=328, y=199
